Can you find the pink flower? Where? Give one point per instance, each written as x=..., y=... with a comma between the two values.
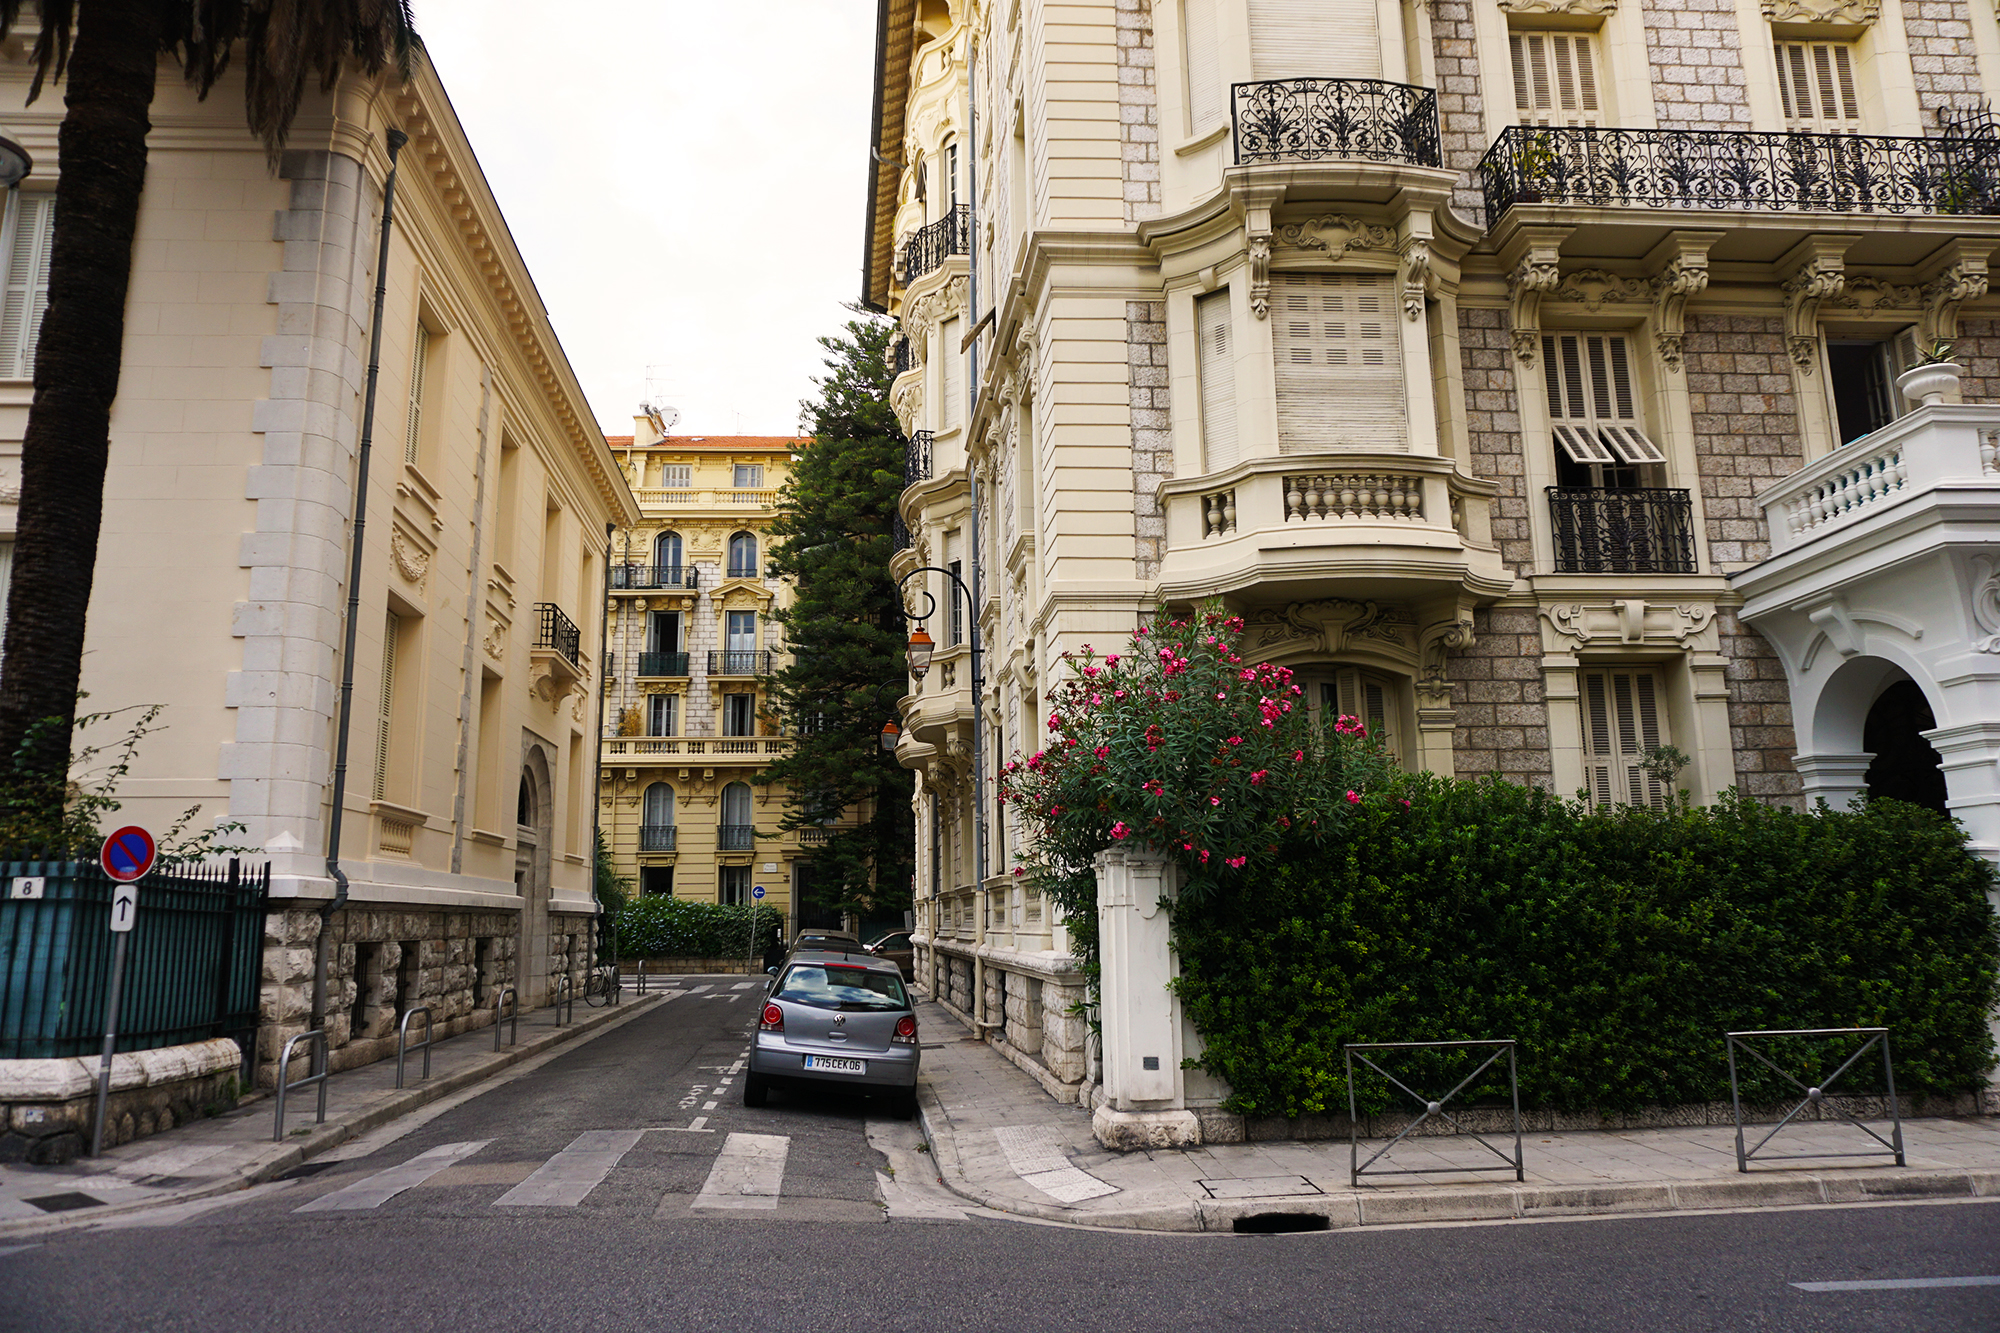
x=1055, y=721
x=1353, y=799
x=1204, y=857
x=1236, y=740
x=1019, y=871
x=1298, y=756
x=1111, y=660
x=1257, y=778
x=1215, y=800
x=1120, y=832
x=1102, y=752
x=1406, y=805
x=1236, y=862
x=1155, y=787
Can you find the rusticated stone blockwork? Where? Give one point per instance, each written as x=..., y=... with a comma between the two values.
x=1760, y=715
x=1942, y=57
x=1138, y=110
x=1746, y=427
x=1152, y=439
x=1977, y=348
x=1697, y=58
x=1461, y=110
x=1502, y=723
x=1493, y=429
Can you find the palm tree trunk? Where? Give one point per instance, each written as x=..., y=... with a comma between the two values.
x=101, y=158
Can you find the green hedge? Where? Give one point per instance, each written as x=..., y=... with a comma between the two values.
x=657, y=927
x=1615, y=946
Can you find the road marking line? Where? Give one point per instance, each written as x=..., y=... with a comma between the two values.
x=708, y=1106
x=565, y=1179
x=743, y=985
x=376, y=1190
x=747, y=1173
x=699, y=989
x=1039, y=1161
x=1900, y=1284
x=693, y=1127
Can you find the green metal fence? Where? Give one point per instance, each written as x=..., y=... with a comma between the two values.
x=191, y=971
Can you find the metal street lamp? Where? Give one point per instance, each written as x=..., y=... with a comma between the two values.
x=15, y=164
x=920, y=648
x=892, y=735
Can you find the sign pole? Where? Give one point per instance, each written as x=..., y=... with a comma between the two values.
x=125, y=858
x=110, y=1039
x=756, y=905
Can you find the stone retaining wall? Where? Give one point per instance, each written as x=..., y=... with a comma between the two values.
x=46, y=1106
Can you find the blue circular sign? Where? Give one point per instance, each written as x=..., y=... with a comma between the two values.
x=757, y=892
x=127, y=854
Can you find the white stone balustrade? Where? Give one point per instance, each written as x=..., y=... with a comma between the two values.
x=1946, y=446
x=1396, y=497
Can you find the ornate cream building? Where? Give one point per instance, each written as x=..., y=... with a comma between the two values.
x=688, y=723
x=1526, y=372
x=221, y=574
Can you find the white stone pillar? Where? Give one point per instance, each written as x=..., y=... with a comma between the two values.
x=1970, y=758
x=1144, y=1102
x=1837, y=779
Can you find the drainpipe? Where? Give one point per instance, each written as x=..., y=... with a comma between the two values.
x=985, y=899
x=469, y=664
x=396, y=141
x=603, y=687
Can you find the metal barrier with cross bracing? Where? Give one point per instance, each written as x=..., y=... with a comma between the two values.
x=1356, y=1168
x=403, y=1046
x=1815, y=1095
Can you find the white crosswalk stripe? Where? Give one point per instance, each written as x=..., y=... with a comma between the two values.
x=743, y=985
x=747, y=1174
x=376, y=1190
x=565, y=1179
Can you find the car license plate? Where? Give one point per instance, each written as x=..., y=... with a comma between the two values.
x=833, y=1064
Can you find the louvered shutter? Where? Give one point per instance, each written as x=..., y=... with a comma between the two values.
x=1593, y=411
x=1207, y=97
x=27, y=291
x=1555, y=78
x=1218, y=382
x=1816, y=87
x=1623, y=718
x=948, y=335
x=1364, y=695
x=677, y=476
x=6, y=581
x=419, y=360
x=391, y=629
x=1339, y=365
x=1302, y=39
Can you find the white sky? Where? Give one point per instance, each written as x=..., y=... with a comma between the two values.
x=686, y=182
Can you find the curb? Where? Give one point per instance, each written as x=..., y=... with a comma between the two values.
x=274, y=1159
x=1351, y=1209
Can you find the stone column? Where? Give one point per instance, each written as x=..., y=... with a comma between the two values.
x=1837, y=779
x=1144, y=1097
x=1969, y=756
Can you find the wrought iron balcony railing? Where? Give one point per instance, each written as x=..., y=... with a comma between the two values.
x=917, y=457
x=1737, y=169
x=739, y=664
x=1310, y=120
x=735, y=837
x=653, y=576
x=556, y=631
x=663, y=664
x=930, y=245
x=1643, y=530
x=899, y=532
x=900, y=365
x=656, y=837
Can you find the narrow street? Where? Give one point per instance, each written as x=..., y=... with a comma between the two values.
x=624, y=1186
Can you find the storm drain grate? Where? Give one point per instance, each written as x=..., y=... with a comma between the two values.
x=63, y=1203
x=306, y=1169
x=1273, y=1224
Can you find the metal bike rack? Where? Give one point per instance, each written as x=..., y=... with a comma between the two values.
x=284, y=1083
x=639, y=981
x=1816, y=1096
x=1356, y=1167
x=565, y=993
x=513, y=1021
x=403, y=1040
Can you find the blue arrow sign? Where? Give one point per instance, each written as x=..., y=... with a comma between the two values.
x=757, y=892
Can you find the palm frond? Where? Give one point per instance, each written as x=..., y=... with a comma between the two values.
x=51, y=53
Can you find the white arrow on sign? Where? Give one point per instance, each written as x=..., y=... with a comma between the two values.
x=124, y=907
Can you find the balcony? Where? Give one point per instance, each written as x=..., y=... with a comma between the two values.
x=656, y=838
x=663, y=664
x=710, y=749
x=899, y=364
x=1740, y=170
x=1645, y=530
x=735, y=837
x=929, y=246
x=817, y=837
x=917, y=458
x=646, y=578
x=1316, y=120
x=556, y=632
x=659, y=497
x=739, y=664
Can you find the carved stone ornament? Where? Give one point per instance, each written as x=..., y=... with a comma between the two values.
x=1335, y=234
x=1580, y=8
x=1869, y=295
x=1416, y=278
x=1435, y=647
x=1631, y=621
x=412, y=561
x=1986, y=602
x=1594, y=288
x=1962, y=281
x=1684, y=276
x=1533, y=278
x=938, y=306
x=1847, y=13
x=1820, y=278
x=1259, y=247
x=1331, y=625
x=495, y=640
x=906, y=400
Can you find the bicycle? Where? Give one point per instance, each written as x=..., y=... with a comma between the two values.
x=602, y=985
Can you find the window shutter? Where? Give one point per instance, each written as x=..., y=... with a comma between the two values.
x=1555, y=78
x=1364, y=695
x=27, y=291
x=6, y=582
x=419, y=359
x=677, y=476
x=1339, y=366
x=1207, y=97
x=1299, y=39
x=1816, y=87
x=1622, y=720
x=391, y=630
x=1593, y=407
x=1218, y=382
x=948, y=333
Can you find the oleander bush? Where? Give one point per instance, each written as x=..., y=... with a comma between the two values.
x=662, y=927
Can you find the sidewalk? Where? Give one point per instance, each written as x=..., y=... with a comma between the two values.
x=999, y=1140
x=236, y=1150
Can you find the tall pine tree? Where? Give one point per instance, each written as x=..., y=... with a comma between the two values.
x=845, y=633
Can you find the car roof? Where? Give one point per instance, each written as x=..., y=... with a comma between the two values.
x=816, y=934
x=845, y=958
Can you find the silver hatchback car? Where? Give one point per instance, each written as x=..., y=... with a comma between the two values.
x=836, y=1020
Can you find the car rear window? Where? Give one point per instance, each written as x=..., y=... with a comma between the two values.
x=831, y=986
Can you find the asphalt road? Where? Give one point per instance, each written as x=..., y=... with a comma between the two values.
x=572, y=1197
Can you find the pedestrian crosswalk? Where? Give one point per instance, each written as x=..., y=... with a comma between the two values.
x=566, y=1179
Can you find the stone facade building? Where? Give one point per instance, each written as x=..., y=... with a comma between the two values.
x=1529, y=374
x=222, y=571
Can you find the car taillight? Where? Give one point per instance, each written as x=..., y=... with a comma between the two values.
x=906, y=1029
x=773, y=1019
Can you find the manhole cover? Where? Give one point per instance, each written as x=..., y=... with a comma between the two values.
x=62, y=1203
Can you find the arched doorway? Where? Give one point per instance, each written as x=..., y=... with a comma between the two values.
x=1905, y=767
x=533, y=836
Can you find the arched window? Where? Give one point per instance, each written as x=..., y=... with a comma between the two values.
x=659, y=805
x=735, y=835
x=667, y=557
x=743, y=556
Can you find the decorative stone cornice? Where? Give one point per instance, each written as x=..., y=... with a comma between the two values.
x=1334, y=234
x=1868, y=295
x=1435, y=646
x=1532, y=260
x=1594, y=288
x=1417, y=278
x=1576, y=8
x=1844, y=13
x=1330, y=626
x=1629, y=622
x=1963, y=277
